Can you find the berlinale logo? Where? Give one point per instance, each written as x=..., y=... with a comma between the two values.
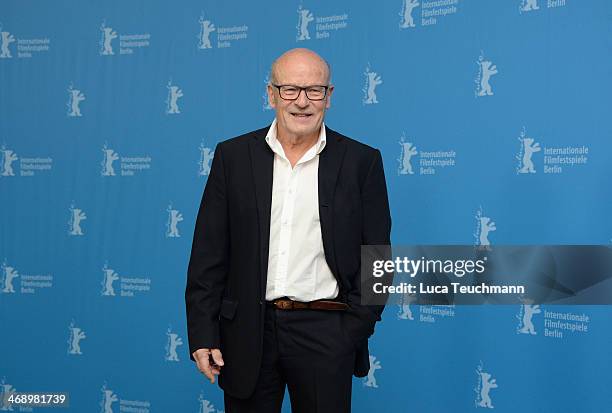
x=372, y=80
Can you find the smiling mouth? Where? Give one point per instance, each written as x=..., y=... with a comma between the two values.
x=301, y=115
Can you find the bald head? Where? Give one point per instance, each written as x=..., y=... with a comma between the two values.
x=300, y=60
x=299, y=117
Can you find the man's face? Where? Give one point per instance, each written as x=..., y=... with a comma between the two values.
x=301, y=117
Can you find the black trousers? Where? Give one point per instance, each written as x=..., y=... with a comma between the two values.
x=308, y=352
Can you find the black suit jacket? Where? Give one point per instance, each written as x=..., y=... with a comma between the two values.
x=226, y=282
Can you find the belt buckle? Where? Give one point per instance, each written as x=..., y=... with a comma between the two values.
x=284, y=304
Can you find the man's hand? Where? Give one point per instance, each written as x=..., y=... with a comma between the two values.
x=210, y=368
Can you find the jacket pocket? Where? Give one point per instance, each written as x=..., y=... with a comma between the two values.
x=228, y=308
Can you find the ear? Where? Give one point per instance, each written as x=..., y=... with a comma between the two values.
x=330, y=90
x=271, y=97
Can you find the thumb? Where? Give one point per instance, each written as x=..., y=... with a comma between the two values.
x=217, y=357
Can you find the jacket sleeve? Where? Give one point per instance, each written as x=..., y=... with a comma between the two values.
x=208, y=264
x=376, y=230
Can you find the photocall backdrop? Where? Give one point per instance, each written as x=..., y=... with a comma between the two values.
x=493, y=121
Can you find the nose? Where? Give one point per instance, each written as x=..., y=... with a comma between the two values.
x=302, y=101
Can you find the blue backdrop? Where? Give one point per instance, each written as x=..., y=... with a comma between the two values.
x=492, y=118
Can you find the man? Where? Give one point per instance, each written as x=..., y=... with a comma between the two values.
x=273, y=291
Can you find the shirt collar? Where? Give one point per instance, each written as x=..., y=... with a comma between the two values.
x=275, y=145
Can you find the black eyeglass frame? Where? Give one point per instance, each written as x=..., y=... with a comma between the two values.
x=305, y=89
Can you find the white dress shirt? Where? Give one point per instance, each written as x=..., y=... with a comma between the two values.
x=296, y=262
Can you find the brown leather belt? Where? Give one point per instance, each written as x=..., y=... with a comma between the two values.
x=288, y=304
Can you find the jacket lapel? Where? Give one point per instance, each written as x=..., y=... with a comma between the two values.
x=262, y=163
x=330, y=161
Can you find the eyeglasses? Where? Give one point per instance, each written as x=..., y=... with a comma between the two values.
x=291, y=92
